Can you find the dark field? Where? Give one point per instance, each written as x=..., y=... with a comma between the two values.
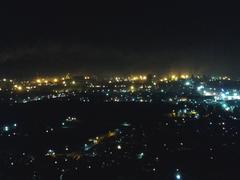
x=152, y=145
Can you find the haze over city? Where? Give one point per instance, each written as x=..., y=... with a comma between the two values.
x=119, y=39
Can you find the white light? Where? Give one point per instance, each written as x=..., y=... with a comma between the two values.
x=119, y=147
x=6, y=128
x=140, y=156
x=223, y=95
x=187, y=83
x=199, y=88
x=178, y=176
x=224, y=105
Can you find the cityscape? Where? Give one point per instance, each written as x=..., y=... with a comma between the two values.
x=133, y=90
x=178, y=126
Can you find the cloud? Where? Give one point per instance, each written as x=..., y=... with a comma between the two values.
x=54, y=58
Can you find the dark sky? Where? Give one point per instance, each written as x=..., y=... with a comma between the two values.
x=119, y=38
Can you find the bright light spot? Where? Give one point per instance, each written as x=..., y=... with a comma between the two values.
x=178, y=176
x=126, y=124
x=6, y=128
x=207, y=93
x=141, y=155
x=119, y=147
x=224, y=105
x=174, y=77
x=19, y=88
x=199, y=88
x=50, y=153
x=187, y=83
x=223, y=95
x=132, y=88
x=38, y=80
x=184, y=76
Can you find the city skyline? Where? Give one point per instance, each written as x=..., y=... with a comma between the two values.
x=119, y=91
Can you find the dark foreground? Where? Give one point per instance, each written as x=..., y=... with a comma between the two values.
x=70, y=140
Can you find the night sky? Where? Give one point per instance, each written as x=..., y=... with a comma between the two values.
x=119, y=38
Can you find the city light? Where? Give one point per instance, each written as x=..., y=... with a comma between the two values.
x=178, y=176
x=140, y=156
x=123, y=91
x=184, y=76
x=132, y=88
x=38, y=80
x=55, y=80
x=19, y=88
x=187, y=83
x=119, y=147
x=199, y=88
x=6, y=128
x=174, y=77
